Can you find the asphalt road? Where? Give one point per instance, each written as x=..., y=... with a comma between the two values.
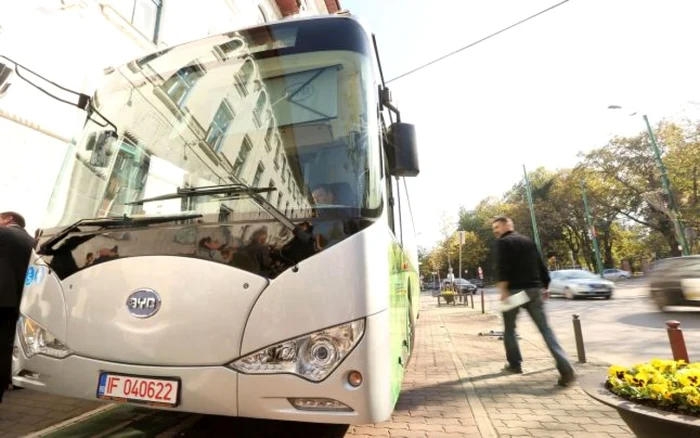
x=626, y=329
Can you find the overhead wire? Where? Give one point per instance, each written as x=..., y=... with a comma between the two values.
x=479, y=41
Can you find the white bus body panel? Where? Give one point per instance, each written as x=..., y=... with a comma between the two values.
x=347, y=281
x=208, y=318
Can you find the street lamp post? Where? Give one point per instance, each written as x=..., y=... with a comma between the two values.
x=535, y=232
x=677, y=222
x=594, y=233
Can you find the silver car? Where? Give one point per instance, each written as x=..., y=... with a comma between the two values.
x=574, y=283
x=616, y=274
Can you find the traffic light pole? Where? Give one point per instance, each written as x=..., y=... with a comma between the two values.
x=677, y=223
x=594, y=233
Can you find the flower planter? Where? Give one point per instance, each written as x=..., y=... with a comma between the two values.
x=644, y=421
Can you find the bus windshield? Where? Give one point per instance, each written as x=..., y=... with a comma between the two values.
x=288, y=107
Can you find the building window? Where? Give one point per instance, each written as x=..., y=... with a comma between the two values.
x=269, y=138
x=270, y=194
x=143, y=15
x=284, y=168
x=243, y=76
x=276, y=161
x=258, y=111
x=258, y=175
x=231, y=46
x=286, y=208
x=279, y=201
x=243, y=153
x=217, y=130
x=179, y=85
x=224, y=214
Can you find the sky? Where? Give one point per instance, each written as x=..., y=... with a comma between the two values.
x=535, y=95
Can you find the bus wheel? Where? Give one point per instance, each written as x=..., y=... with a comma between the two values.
x=411, y=331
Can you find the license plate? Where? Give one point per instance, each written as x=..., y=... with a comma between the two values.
x=164, y=392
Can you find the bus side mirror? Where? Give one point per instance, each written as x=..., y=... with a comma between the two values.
x=403, y=150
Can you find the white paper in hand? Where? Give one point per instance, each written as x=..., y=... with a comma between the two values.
x=514, y=301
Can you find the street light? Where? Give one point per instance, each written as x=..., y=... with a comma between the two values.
x=592, y=230
x=678, y=224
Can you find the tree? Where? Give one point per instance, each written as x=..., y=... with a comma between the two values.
x=628, y=167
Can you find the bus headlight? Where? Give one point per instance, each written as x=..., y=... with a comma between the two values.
x=314, y=356
x=36, y=339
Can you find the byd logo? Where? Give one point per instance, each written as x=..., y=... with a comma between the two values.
x=143, y=303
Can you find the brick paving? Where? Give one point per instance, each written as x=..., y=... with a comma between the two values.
x=455, y=388
x=25, y=411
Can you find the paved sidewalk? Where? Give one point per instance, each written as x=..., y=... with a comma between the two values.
x=25, y=411
x=455, y=387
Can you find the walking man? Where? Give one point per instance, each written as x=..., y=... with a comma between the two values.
x=15, y=250
x=520, y=268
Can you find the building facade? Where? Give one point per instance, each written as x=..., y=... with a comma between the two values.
x=72, y=42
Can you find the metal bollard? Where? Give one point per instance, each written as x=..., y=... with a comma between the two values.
x=471, y=297
x=580, y=349
x=675, y=337
x=482, y=301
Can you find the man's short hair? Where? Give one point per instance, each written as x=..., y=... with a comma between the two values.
x=15, y=217
x=502, y=219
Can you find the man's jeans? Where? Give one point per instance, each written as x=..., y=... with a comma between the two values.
x=535, y=307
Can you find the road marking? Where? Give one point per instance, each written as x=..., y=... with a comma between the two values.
x=72, y=421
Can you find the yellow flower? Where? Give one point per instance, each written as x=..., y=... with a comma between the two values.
x=689, y=391
x=665, y=366
x=689, y=377
x=647, y=368
x=661, y=391
x=693, y=400
x=639, y=379
x=617, y=372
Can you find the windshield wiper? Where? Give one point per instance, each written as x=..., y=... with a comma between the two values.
x=190, y=192
x=239, y=190
x=104, y=222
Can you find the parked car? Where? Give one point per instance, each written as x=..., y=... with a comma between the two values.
x=616, y=274
x=574, y=283
x=675, y=282
x=476, y=282
x=462, y=286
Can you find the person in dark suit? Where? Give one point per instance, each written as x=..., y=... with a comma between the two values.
x=521, y=268
x=15, y=251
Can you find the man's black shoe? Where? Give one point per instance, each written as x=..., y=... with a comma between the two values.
x=565, y=381
x=511, y=369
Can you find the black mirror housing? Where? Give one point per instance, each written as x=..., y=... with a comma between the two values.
x=403, y=150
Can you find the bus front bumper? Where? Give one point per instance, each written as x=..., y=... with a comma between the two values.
x=219, y=390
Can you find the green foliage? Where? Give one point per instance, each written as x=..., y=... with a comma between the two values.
x=624, y=190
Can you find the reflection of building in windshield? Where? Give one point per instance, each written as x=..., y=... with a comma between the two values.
x=228, y=109
x=224, y=132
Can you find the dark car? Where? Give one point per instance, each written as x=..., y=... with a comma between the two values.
x=675, y=282
x=477, y=282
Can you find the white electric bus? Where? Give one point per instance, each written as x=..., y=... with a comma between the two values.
x=231, y=234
